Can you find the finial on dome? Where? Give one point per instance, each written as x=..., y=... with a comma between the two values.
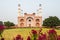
x=40, y=5
x=19, y=5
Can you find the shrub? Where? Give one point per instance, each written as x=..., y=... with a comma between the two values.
x=52, y=34
x=39, y=38
x=28, y=38
x=38, y=35
x=34, y=34
x=58, y=37
x=1, y=29
x=18, y=37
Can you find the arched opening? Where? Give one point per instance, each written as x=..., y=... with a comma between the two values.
x=37, y=24
x=22, y=24
x=29, y=21
x=22, y=20
x=37, y=20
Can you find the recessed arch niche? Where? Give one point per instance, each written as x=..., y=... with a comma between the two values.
x=21, y=20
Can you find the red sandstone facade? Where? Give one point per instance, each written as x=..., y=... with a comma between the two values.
x=29, y=20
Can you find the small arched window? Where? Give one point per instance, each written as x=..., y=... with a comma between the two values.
x=37, y=20
x=22, y=20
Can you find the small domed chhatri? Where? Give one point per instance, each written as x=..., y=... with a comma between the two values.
x=30, y=20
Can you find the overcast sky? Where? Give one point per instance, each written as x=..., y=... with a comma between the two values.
x=9, y=8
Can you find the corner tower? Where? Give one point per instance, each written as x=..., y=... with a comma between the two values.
x=19, y=14
x=39, y=11
x=19, y=10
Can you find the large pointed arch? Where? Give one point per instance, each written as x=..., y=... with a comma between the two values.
x=21, y=20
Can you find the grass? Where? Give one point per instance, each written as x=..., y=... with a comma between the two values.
x=9, y=34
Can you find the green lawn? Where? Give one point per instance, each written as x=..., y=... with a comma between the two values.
x=9, y=34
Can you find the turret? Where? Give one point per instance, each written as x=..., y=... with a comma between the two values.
x=39, y=11
x=19, y=10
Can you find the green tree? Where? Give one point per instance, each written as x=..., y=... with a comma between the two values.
x=8, y=23
x=52, y=21
x=1, y=23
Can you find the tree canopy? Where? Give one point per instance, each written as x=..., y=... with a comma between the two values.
x=52, y=21
x=8, y=23
x=1, y=23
